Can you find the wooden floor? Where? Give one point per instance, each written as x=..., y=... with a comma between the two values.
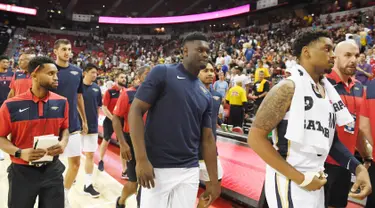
x=109, y=188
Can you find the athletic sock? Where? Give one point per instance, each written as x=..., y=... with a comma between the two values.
x=88, y=180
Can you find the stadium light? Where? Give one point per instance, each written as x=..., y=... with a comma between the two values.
x=17, y=9
x=176, y=19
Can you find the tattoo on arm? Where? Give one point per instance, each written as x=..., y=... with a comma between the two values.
x=274, y=106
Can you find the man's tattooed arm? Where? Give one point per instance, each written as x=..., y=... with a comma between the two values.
x=274, y=106
x=270, y=113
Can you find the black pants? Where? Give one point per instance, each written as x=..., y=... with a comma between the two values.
x=338, y=186
x=28, y=182
x=107, y=129
x=236, y=115
x=130, y=165
x=371, y=198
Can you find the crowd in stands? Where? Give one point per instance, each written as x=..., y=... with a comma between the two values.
x=260, y=58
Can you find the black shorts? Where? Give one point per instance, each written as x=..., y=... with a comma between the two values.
x=338, y=185
x=28, y=182
x=130, y=165
x=107, y=129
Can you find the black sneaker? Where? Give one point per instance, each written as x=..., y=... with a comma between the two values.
x=101, y=165
x=124, y=175
x=91, y=191
x=119, y=205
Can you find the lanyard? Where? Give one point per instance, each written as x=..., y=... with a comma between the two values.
x=351, y=93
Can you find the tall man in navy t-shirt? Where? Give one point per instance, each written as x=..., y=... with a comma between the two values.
x=5, y=78
x=92, y=96
x=178, y=122
x=71, y=87
x=206, y=76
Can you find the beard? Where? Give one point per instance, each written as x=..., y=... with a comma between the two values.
x=47, y=86
x=349, y=72
x=122, y=84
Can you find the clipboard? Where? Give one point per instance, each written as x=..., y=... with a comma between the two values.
x=44, y=142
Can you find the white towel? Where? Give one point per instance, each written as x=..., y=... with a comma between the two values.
x=295, y=130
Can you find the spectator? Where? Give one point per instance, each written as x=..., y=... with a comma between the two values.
x=221, y=86
x=364, y=71
x=237, y=99
x=259, y=69
x=259, y=91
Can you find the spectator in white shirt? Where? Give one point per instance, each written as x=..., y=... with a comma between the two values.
x=227, y=58
x=241, y=77
x=220, y=59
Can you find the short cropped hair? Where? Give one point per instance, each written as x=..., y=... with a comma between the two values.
x=38, y=62
x=58, y=42
x=195, y=36
x=90, y=66
x=4, y=58
x=117, y=75
x=305, y=39
x=142, y=70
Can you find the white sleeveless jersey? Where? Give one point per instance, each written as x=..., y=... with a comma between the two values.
x=319, y=116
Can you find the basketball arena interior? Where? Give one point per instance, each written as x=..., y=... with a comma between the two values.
x=123, y=35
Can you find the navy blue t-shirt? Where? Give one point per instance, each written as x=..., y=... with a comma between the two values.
x=5, y=79
x=70, y=84
x=180, y=108
x=92, y=96
x=216, y=102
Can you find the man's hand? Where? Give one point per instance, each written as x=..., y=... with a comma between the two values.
x=367, y=165
x=31, y=154
x=317, y=182
x=57, y=149
x=125, y=151
x=84, y=128
x=212, y=192
x=145, y=174
x=362, y=186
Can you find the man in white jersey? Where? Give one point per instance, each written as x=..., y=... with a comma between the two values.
x=294, y=177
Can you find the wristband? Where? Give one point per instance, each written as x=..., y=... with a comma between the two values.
x=367, y=159
x=309, y=177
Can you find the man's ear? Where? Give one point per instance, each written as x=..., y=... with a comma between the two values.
x=185, y=50
x=305, y=52
x=33, y=75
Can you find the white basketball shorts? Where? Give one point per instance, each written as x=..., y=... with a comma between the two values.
x=174, y=187
x=73, y=149
x=282, y=192
x=89, y=142
x=203, y=174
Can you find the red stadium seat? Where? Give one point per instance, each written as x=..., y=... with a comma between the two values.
x=238, y=130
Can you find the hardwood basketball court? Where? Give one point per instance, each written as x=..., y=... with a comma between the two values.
x=108, y=187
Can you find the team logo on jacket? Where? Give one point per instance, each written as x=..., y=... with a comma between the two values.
x=216, y=97
x=95, y=90
x=74, y=73
x=54, y=107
